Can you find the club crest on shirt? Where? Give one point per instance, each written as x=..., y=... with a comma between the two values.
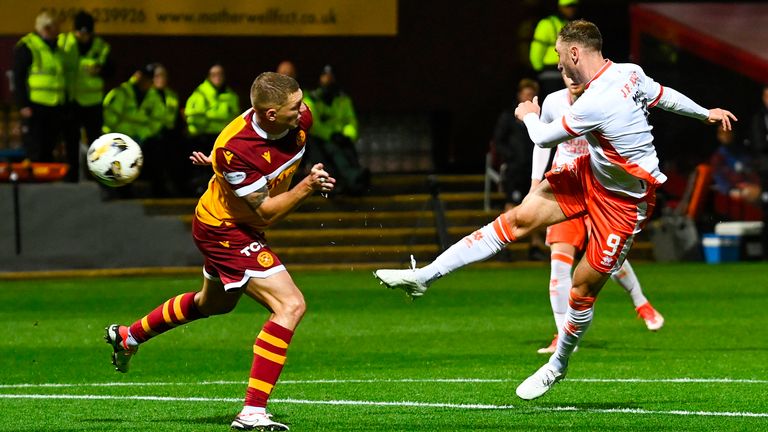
x=301, y=138
x=265, y=259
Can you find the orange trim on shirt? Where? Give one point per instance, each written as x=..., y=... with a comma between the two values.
x=613, y=155
x=607, y=64
x=658, y=98
x=570, y=131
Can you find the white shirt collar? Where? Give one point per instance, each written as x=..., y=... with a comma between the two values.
x=264, y=134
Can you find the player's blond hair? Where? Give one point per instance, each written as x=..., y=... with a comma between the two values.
x=584, y=33
x=271, y=90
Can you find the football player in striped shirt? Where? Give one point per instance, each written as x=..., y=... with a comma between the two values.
x=253, y=159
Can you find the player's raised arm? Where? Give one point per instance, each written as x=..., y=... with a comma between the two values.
x=274, y=209
x=542, y=134
x=672, y=100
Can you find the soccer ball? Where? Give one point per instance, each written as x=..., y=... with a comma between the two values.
x=115, y=159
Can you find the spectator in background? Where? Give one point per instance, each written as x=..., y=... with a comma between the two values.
x=287, y=68
x=169, y=96
x=87, y=64
x=170, y=136
x=134, y=108
x=208, y=110
x=760, y=147
x=733, y=169
x=39, y=88
x=514, y=146
x=542, y=52
x=334, y=133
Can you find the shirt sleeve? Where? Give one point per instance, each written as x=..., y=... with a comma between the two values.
x=670, y=99
x=678, y=103
x=582, y=117
x=546, y=134
x=539, y=162
x=540, y=158
x=241, y=177
x=547, y=110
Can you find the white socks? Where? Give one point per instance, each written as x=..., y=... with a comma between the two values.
x=560, y=285
x=253, y=410
x=130, y=340
x=578, y=319
x=627, y=278
x=480, y=245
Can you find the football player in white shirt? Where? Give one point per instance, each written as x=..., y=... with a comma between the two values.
x=568, y=237
x=615, y=184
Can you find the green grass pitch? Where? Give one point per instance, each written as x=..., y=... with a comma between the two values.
x=367, y=359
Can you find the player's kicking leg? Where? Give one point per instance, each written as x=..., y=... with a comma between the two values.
x=538, y=209
x=279, y=294
x=627, y=278
x=125, y=340
x=587, y=283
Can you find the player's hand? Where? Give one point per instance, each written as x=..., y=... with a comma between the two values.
x=527, y=107
x=199, y=158
x=719, y=115
x=320, y=180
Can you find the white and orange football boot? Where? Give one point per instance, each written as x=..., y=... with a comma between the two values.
x=653, y=319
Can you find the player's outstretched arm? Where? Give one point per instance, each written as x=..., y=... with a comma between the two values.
x=724, y=117
x=274, y=209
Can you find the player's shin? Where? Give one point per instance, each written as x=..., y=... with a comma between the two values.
x=478, y=246
x=627, y=278
x=577, y=321
x=174, y=312
x=269, y=353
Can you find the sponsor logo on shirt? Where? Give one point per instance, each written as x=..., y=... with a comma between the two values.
x=235, y=177
x=228, y=155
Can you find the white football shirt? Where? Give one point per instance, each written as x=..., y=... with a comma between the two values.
x=612, y=115
x=556, y=105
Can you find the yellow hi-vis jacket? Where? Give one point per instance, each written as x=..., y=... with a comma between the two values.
x=542, y=53
x=85, y=88
x=46, y=78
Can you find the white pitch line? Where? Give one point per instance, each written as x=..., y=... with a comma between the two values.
x=400, y=404
x=406, y=380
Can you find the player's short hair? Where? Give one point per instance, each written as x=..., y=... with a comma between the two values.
x=528, y=83
x=584, y=33
x=271, y=90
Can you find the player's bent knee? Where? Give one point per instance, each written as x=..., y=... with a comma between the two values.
x=296, y=308
x=519, y=220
